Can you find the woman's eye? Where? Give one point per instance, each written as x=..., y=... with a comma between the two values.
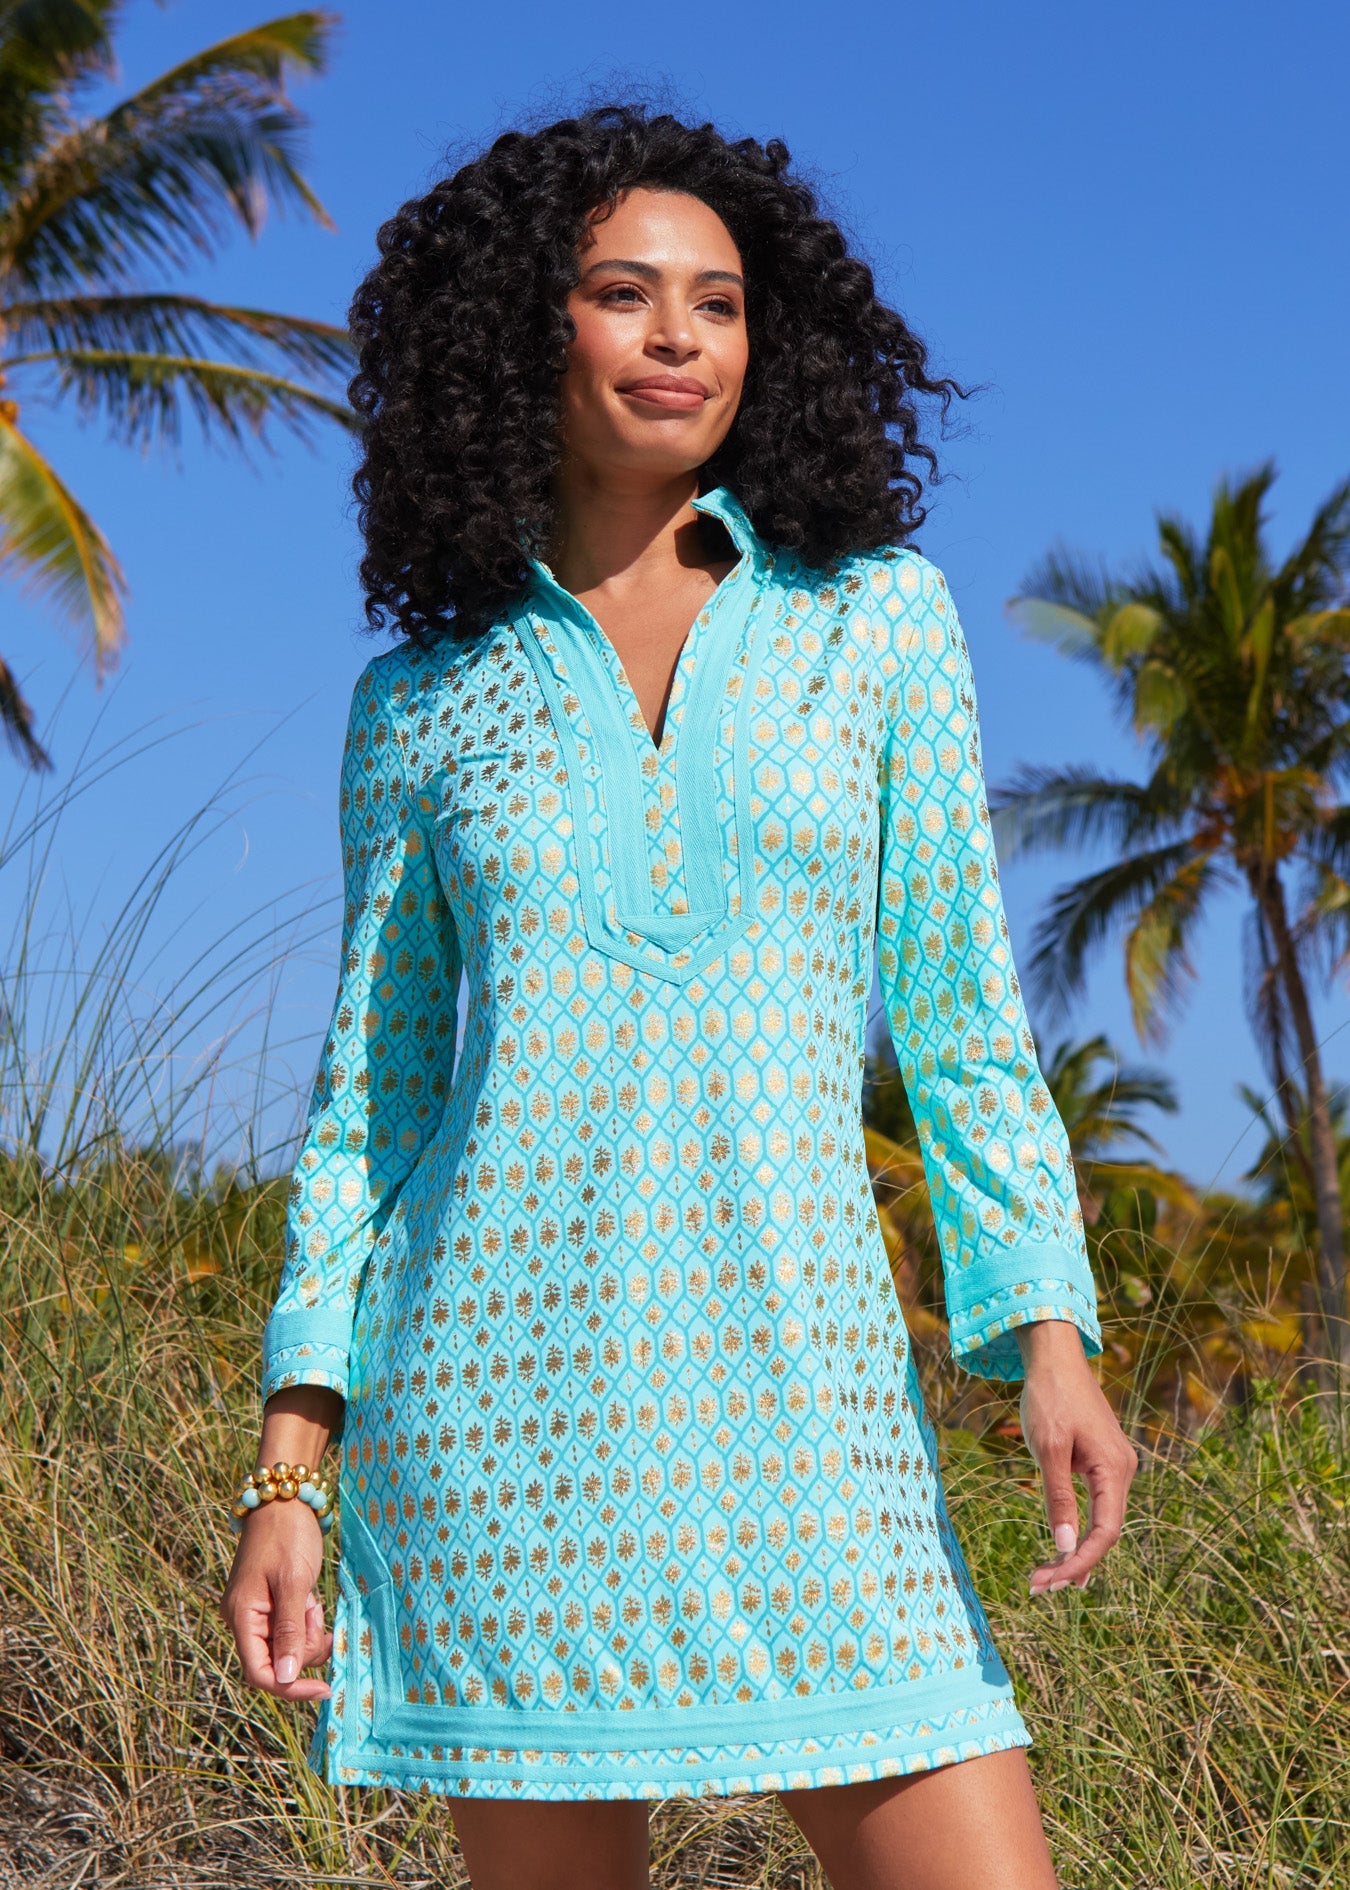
x=718, y=304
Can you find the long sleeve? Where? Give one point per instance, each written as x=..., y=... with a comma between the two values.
x=386, y=1065
x=995, y=1150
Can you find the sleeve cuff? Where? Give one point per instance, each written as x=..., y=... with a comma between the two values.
x=310, y=1364
x=982, y=1332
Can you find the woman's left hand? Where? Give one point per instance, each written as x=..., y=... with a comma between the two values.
x=1070, y=1429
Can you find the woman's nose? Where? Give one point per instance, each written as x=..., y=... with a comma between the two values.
x=671, y=328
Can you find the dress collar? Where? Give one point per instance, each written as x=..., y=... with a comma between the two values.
x=721, y=502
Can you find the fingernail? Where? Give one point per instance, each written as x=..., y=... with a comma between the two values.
x=1066, y=1536
x=287, y=1668
x=1063, y=1582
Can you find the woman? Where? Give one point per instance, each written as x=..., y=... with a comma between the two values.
x=638, y=1493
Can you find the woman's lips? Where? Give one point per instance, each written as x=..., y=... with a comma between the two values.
x=681, y=399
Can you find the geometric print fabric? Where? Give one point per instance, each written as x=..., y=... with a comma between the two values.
x=638, y=1494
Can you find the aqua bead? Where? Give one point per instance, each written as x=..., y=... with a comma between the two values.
x=307, y=1492
x=250, y=1499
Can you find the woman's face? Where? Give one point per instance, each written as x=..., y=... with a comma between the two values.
x=661, y=295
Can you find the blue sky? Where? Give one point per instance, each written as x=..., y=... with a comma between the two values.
x=1128, y=223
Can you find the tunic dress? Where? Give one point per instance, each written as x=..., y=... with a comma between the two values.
x=638, y=1497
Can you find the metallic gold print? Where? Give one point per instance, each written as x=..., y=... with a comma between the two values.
x=633, y=1436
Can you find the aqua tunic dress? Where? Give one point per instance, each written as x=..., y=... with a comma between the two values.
x=638, y=1495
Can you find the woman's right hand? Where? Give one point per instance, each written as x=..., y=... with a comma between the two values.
x=271, y=1603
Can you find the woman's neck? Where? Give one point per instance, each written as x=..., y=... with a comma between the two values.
x=621, y=527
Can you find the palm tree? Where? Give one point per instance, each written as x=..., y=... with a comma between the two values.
x=1231, y=669
x=1100, y=1110
x=1281, y=1171
x=1283, y=1180
x=86, y=202
x=1099, y=1096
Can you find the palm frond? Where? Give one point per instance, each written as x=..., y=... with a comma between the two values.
x=46, y=47
x=1328, y=845
x=1264, y=995
x=1130, y=630
x=1160, y=698
x=17, y=723
x=1282, y=1166
x=1069, y=631
x=1108, y=1109
x=1238, y=524
x=1157, y=959
x=1227, y=594
x=170, y=323
x=142, y=398
x=1316, y=568
x=1063, y=600
x=1181, y=548
x=1069, y=578
x=299, y=40
x=162, y=175
x=1101, y=1112
x=1332, y=626
x=1259, y=1106
x=1045, y=807
x=1165, y=1183
x=1082, y=915
x=49, y=543
x=1327, y=921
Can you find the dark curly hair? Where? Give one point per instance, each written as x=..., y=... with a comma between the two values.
x=462, y=333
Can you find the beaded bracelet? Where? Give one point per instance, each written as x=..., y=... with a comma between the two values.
x=281, y=1484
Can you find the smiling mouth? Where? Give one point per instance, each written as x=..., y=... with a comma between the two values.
x=674, y=399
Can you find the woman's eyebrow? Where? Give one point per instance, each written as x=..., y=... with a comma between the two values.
x=651, y=272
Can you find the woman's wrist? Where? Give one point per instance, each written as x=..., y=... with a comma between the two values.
x=1049, y=1342
x=297, y=1425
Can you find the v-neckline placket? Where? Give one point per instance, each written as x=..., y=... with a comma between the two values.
x=630, y=761
x=719, y=503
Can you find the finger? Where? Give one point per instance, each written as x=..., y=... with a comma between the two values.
x=1125, y=1471
x=1107, y=1483
x=1107, y=1480
x=317, y=1643
x=1061, y=1507
x=288, y=1636
x=302, y=1689
x=251, y=1626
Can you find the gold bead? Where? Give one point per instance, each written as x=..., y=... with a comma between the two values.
x=299, y=1472
x=240, y=1510
x=286, y=1488
x=268, y=1493
x=280, y=1470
